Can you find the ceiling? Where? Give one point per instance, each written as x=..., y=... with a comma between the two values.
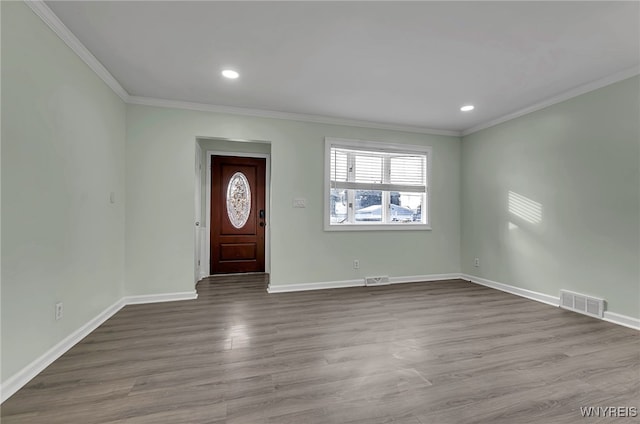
x=399, y=63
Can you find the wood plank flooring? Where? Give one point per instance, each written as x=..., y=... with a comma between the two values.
x=447, y=352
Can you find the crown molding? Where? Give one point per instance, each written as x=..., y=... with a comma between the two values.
x=575, y=92
x=40, y=8
x=60, y=29
x=43, y=11
x=262, y=113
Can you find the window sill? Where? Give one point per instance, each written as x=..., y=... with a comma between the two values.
x=378, y=227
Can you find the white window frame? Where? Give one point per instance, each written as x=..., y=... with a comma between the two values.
x=331, y=142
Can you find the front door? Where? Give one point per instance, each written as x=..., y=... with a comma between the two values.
x=238, y=214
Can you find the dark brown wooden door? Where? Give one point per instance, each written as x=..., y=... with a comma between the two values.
x=238, y=214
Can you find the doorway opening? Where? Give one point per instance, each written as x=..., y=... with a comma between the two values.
x=232, y=207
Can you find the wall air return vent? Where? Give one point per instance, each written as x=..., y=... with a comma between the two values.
x=581, y=303
x=382, y=280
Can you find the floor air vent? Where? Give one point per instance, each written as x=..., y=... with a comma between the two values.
x=376, y=281
x=581, y=303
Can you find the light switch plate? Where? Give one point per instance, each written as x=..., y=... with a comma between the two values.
x=299, y=202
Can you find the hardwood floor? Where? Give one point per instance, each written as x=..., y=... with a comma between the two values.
x=440, y=352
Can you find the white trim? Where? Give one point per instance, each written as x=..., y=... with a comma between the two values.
x=204, y=259
x=285, y=288
x=381, y=146
x=43, y=11
x=207, y=218
x=575, y=92
x=263, y=113
x=352, y=185
x=380, y=227
x=26, y=374
x=197, y=231
x=624, y=320
x=330, y=142
x=162, y=297
x=22, y=377
x=529, y=294
x=424, y=278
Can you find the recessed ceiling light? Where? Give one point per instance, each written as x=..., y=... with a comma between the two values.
x=467, y=108
x=231, y=74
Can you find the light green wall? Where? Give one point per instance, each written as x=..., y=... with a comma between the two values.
x=580, y=160
x=160, y=208
x=63, y=135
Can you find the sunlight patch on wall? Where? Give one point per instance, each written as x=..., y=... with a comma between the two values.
x=525, y=208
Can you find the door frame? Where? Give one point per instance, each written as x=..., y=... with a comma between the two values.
x=207, y=219
x=198, y=216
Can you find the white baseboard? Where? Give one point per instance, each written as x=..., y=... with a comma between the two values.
x=285, y=288
x=163, y=297
x=624, y=320
x=529, y=294
x=22, y=377
x=423, y=278
x=611, y=317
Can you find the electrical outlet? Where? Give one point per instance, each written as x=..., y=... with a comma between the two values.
x=58, y=310
x=476, y=262
x=356, y=264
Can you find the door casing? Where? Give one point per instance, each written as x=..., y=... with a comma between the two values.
x=198, y=224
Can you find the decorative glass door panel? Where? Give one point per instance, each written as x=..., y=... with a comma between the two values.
x=238, y=200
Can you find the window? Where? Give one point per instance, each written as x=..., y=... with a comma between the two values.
x=375, y=186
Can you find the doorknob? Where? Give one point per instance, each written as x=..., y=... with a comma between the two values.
x=262, y=224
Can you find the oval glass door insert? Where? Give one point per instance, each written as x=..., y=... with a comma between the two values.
x=238, y=200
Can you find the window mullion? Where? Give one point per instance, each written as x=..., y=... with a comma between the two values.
x=386, y=196
x=386, y=200
x=351, y=172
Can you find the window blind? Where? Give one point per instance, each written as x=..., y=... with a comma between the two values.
x=377, y=170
